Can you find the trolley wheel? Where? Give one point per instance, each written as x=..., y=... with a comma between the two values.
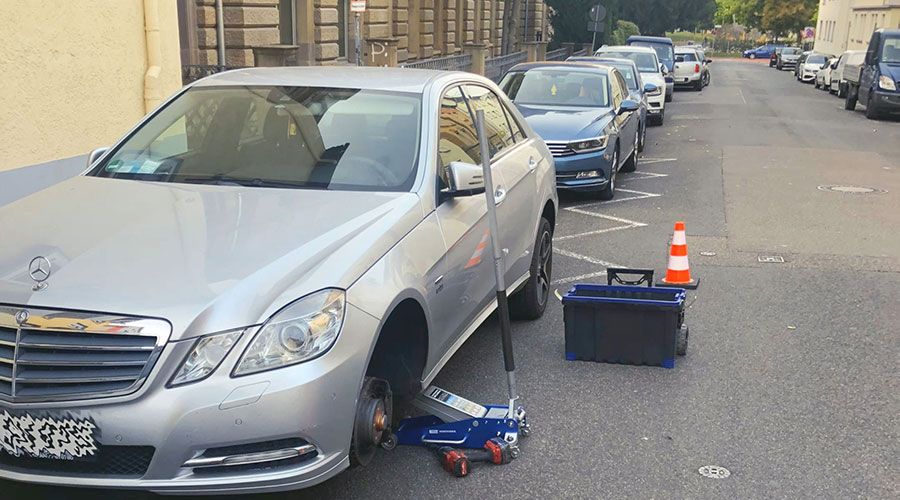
x=389, y=442
x=681, y=340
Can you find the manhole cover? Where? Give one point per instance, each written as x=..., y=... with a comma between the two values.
x=850, y=189
x=770, y=259
x=714, y=471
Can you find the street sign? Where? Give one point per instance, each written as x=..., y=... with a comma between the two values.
x=596, y=26
x=357, y=5
x=597, y=22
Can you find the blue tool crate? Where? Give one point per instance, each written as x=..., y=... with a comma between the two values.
x=625, y=324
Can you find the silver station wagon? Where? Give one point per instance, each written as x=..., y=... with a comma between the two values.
x=234, y=296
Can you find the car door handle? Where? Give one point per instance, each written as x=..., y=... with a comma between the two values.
x=532, y=163
x=499, y=195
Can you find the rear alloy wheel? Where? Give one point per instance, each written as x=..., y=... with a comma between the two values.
x=632, y=161
x=531, y=300
x=610, y=190
x=752, y=56
x=372, y=426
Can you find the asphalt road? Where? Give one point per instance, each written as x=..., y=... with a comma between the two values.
x=791, y=377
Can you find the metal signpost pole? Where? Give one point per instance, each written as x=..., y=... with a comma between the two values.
x=358, y=42
x=499, y=268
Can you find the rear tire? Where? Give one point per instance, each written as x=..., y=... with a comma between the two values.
x=631, y=164
x=851, y=97
x=842, y=90
x=698, y=85
x=531, y=300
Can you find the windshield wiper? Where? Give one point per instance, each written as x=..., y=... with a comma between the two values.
x=226, y=180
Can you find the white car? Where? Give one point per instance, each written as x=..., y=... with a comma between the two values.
x=849, y=59
x=691, y=68
x=823, y=76
x=651, y=72
x=811, y=65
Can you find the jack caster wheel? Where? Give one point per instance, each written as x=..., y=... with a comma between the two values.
x=389, y=442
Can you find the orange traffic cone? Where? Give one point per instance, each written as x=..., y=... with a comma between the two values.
x=678, y=271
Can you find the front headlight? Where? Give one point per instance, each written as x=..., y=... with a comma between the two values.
x=656, y=92
x=303, y=330
x=205, y=357
x=589, y=145
x=886, y=82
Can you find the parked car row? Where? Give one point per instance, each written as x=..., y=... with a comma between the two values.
x=593, y=111
x=870, y=77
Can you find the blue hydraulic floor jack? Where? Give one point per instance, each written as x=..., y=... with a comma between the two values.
x=454, y=425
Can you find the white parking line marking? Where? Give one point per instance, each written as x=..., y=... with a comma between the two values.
x=644, y=175
x=579, y=210
x=578, y=278
x=586, y=258
x=598, y=231
x=648, y=161
x=741, y=92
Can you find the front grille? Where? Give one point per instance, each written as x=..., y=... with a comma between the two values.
x=52, y=356
x=117, y=461
x=559, y=149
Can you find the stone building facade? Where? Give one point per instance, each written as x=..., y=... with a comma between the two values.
x=324, y=30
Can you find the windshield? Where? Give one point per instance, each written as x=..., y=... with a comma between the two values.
x=664, y=51
x=789, y=52
x=264, y=136
x=891, y=51
x=816, y=59
x=645, y=62
x=557, y=87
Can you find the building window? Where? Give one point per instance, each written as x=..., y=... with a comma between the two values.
x=343, y=28
x=286, y=32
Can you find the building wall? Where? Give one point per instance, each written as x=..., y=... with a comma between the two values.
x=423, y=28
x=833, y=27
x=74, y=74
x=868, y=15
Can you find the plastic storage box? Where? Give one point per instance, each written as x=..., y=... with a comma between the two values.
x=625, y=324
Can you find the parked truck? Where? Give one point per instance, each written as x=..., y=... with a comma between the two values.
x=876, y=81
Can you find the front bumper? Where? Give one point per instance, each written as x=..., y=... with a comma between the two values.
x=807, y=76
x=887, y=101
x=568, y=167
x=314, y=402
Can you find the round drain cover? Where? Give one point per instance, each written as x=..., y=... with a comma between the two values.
x=714, y=471
x=850, y=189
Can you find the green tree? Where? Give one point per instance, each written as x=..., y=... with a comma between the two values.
x=569, y=19
x=624, y=29
x=655, y=17
x=788, y=17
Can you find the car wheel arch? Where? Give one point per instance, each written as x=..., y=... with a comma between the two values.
x=399, y=351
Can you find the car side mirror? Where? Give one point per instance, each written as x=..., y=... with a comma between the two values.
x=95, y=155
x=663, y=69
x=466, y=179
x=708, y=61
x=650, y=88
x=628, y=106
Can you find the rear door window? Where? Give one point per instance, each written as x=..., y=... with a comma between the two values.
x=458, y=139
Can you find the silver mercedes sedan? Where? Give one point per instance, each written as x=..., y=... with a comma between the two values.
x=233, y=297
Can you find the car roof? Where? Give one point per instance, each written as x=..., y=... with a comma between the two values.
x=369, y=78
x=889, y=31
x=581, y=65
x=629, y=48
x=599, y=59
x=656, y=39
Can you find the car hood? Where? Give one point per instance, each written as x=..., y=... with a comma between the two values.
x=789, y=57
x=205, y=258
x=654, y=78
x=561, y=123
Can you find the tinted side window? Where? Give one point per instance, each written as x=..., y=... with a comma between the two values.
x=497, y=129
x=458, y=140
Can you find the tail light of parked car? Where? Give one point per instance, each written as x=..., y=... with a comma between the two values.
x=696, y=68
